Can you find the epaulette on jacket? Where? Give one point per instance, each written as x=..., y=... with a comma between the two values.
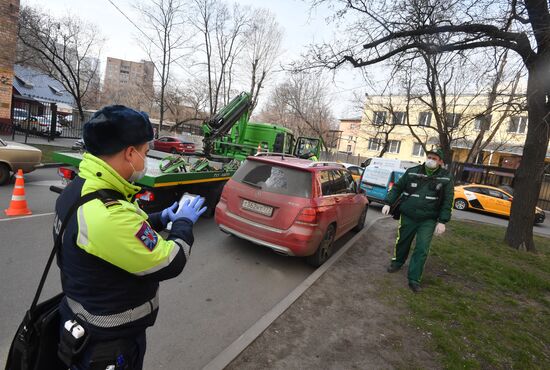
x=110, y=202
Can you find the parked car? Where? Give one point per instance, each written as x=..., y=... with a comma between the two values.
x=15, y=156
x=78, y=145
x=293, y=206
x=380, y=175
x=355, y=170
x=488, y=199
x=172, y=144
x=45, y=124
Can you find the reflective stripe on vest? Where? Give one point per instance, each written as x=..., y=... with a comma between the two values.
x=117, y=319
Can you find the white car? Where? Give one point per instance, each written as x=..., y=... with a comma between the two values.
x=45, y=124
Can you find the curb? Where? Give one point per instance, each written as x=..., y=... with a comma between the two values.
x=225, y=357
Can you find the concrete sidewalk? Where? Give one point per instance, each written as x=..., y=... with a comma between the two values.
x=346, y=319
x=62, y=142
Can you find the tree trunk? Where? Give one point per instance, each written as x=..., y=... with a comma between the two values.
x=80, y=110
x=528, y=178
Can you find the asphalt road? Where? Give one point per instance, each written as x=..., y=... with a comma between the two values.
x=226, y=287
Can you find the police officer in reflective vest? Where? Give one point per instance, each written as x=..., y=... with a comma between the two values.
x=112, y=257
x=427, y=193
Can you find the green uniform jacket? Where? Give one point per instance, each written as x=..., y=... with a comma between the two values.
x=424, y=196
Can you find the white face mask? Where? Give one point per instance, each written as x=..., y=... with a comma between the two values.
x=137, y=175
x=431, y=164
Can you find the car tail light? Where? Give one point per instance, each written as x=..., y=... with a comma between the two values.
x=390, y=185
x=307, y=215
x=146, y=196
x=66, y=173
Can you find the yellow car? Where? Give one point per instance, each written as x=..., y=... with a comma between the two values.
x=488, y=199
x=356, y=171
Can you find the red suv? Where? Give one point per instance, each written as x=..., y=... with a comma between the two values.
x=174, y=145
x=294, y=206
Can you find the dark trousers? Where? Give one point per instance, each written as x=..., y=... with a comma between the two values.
x=408, y=229
x=134, y=352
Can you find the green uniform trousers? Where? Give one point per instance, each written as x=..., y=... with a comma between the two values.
x=408, y=229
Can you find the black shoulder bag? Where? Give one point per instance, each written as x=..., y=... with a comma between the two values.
x=34, y=346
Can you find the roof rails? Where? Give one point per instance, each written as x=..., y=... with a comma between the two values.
x=263, y=154
x=319, y=164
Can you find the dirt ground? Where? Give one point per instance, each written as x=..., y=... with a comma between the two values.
x=351, y=318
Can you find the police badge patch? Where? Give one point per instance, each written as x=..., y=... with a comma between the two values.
x=147, y=236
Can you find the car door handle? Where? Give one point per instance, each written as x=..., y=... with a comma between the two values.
x=337, y=200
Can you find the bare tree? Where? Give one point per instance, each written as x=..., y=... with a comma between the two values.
x=166, y=37
x=521, y=26
x=65, y=48
x=263, y=45
x=301, y=104
x=497, y=91
x=187, y=103
x=222, y=30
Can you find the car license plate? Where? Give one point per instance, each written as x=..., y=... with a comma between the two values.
x=257, y=208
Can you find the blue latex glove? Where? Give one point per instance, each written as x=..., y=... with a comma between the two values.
x=165, y=215
x=190, y=210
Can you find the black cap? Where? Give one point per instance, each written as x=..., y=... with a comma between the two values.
x=115, y=127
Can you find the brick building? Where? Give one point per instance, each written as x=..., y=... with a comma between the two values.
x=9, y=13
x=128, y=83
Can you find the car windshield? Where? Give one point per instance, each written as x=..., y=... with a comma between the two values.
x=274, y=179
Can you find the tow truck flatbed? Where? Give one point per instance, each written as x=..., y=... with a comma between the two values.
x=154, y=177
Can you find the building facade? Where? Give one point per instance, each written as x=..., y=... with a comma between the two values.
x=9, y=13
x=402, y=127
x=128, y=83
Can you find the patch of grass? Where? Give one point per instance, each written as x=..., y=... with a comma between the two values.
x=47, y=151
x=485, y=304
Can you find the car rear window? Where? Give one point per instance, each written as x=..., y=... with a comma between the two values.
x=274, y=179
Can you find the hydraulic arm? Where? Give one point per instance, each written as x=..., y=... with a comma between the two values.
x=221, y=123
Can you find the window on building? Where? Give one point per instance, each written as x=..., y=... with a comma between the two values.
x=452, y=119
x=398, y=118
x=353, y=126
x=424, y=118
x=418, y=151
x=374, y=144
x=349, y=148
x=482, y=122
x=518, y=125
x=394, y=146
x=379, y=118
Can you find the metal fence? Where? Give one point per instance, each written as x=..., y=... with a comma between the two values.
x=343, y=157
x=33, y=118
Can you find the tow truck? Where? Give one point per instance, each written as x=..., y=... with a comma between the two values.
x=229, y=138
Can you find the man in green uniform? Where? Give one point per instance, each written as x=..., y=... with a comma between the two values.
x=427, y=193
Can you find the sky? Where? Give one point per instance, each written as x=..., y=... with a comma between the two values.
x=301, y=26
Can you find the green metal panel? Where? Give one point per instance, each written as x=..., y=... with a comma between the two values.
x=154, y=177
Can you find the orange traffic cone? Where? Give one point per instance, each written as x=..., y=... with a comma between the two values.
x=18, y=205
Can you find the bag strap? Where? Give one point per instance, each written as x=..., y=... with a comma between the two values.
x=99, y=194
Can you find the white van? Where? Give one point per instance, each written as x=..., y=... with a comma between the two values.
x=380, y=175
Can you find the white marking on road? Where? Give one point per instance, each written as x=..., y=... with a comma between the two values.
x=31, y=216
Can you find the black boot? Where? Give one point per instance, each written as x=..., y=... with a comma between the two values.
x=415, y=287
x=393, y=268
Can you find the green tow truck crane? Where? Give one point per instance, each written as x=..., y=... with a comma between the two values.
x=230, y=134
x=229, y=137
